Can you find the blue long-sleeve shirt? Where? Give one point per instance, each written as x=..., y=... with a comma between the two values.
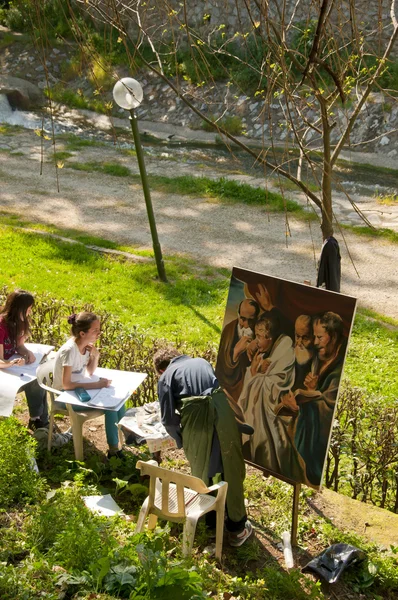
x=184, y=377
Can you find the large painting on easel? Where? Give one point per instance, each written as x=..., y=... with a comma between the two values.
x=280, y=361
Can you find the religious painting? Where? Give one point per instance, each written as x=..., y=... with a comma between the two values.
x=280, y=362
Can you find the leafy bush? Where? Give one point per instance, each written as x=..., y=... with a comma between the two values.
x=65, y=525
x=75, y=100
x=22, y=16
x=18, y=481
x=100, y=74
x=232, y=124
x=363, y=456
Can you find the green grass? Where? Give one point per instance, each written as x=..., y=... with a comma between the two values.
x=71, y=98
x=7, y=40
x=372, y=314
x=387, y=199
x=73, y=142
x=7, y=129
x=189, y=308
x=373, y=356
x=108, y=168
x=383, y=232
x=61, y=155
x=224, y=190
x=368, y=167
x=290, y=186
x=232, y=124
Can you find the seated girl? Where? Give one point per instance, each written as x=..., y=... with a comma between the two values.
x=14, y=331
x=76, y=361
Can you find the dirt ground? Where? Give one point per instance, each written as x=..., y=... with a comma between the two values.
x=218, y=234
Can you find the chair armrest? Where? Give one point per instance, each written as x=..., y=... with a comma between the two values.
x=50, y=389
x=217, y=486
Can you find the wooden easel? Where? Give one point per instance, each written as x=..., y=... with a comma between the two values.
x=296, y=496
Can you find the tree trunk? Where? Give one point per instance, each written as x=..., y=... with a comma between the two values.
x=327, y=212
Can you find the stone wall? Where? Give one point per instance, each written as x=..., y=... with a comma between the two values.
x=375, y=129
x=160, y=17
x=379, y=116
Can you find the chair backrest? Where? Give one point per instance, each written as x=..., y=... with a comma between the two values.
x=167, y=477
x=43, y=373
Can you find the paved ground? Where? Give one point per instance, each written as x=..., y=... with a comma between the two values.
x=216, y=233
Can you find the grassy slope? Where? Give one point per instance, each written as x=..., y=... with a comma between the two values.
x=190, y=308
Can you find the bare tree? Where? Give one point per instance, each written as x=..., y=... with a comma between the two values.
x=311, y=57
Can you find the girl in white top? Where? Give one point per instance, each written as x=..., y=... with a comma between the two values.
x=76, y=360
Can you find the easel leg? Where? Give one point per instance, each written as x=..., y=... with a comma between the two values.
x=296, y=496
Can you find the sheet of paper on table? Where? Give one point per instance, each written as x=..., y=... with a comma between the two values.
x=124, y=383
x=13, y=378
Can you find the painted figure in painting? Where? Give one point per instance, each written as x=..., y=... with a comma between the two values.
x=317, y=399
x=267, y=379
x=303, y=349
x=236, y=341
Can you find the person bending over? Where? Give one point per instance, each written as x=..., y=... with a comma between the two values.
x=14, y=331
x=76, y=360
x=197, y=414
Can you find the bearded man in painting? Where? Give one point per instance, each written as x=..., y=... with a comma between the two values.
x=317, y=398
x=235, y=342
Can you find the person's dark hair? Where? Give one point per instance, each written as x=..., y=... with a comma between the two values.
x=81, y=322
x=163, y=357
x=333, y=324
x=271, y=322
x=14, y=313
x=252, y=303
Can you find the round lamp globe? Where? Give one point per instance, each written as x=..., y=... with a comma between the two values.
x=128, y=93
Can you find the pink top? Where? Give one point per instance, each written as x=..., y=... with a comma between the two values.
x=9, y=347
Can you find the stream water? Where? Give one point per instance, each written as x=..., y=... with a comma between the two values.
x=356, y=178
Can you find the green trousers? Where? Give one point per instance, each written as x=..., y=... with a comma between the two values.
x=200, y=415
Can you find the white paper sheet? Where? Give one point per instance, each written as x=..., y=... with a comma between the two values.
x=13, y=378
x=124, y=383
x=102, y=505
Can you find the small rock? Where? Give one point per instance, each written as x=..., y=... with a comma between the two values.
x=210, y=550
x=384, y=141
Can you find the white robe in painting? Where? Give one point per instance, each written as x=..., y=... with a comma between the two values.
x=272, y=446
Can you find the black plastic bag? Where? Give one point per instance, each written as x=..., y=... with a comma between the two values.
x=334, y=560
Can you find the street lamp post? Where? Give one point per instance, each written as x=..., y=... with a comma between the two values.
x=128, y=94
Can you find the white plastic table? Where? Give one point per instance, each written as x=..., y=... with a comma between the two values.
x=124, y=383
x=13, y=378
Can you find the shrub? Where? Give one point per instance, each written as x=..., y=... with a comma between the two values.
x=22, y=16
x=18, y=480
x=363, y=456
x=65, y=525
x=232, y=124
x=100, y=74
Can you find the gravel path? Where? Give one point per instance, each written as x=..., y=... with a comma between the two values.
x=218, y=234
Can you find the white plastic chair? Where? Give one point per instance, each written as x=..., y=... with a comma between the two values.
x=181, y=498
x=77, y=419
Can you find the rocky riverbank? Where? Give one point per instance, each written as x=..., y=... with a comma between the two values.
x=375, y=131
